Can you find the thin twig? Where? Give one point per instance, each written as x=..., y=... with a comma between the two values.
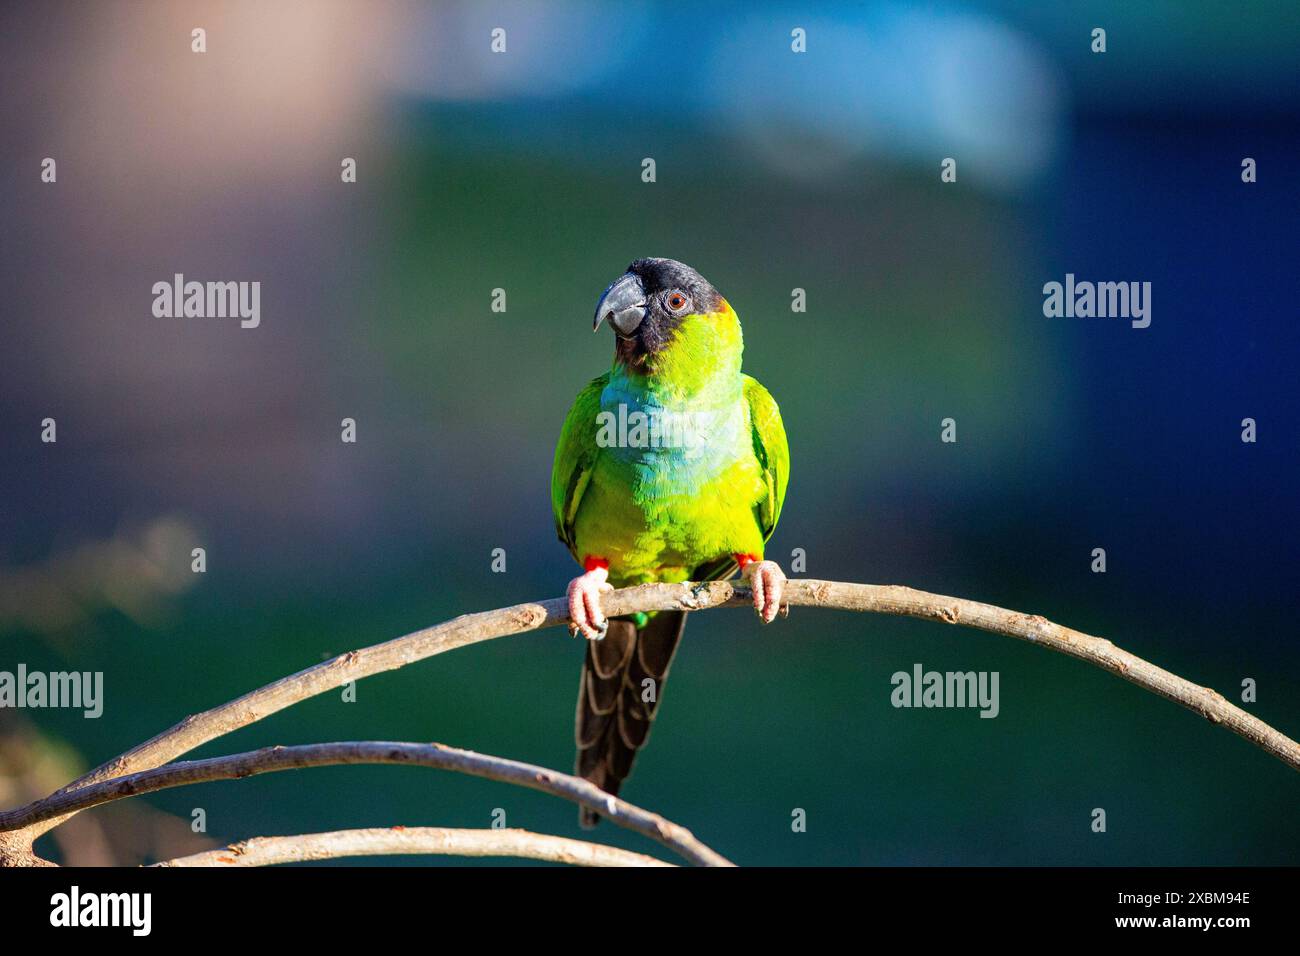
x=473, y=628
x=270, y=851
x=271, y=759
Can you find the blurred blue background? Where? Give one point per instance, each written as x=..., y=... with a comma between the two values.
x=775, y=170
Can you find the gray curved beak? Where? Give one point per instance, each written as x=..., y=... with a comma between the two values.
x=623, y=305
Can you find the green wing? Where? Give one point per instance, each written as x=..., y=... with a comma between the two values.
x=772, y=452
x=575, y=456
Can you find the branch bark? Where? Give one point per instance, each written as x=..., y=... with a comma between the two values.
x=473, y=628
x=271, y=759
x=270, y=851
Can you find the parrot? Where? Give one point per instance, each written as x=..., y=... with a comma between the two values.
x=672, y=466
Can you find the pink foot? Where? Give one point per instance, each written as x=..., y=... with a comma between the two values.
x=767, y=581
x=584, y=601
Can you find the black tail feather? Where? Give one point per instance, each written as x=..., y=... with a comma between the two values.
x=622, y=684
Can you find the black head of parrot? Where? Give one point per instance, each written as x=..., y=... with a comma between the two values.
x=649, y=301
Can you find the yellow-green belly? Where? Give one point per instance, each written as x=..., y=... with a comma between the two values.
x=659, y=519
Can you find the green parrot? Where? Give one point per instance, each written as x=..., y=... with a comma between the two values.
x=672, y=466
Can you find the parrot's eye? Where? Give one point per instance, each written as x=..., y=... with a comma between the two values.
x=676, y=301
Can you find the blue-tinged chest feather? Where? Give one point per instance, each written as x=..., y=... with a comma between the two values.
x=667, y=444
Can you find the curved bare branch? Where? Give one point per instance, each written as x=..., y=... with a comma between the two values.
x=272, y=759
x=473, y=628
x=393, y=841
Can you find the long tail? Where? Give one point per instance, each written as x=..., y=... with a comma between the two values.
x=622, y=683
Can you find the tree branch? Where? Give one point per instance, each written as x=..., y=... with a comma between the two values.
x=271, y=759
x=269, y=851
x=473, y=628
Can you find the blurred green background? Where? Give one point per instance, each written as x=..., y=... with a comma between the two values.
x=774, y=172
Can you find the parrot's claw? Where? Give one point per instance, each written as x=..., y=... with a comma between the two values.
x=575, y=630
x=584, y=604
x=767, y=581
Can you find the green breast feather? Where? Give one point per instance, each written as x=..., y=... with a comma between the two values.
x=659, y=517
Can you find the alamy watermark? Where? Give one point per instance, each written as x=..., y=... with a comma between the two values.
x=1101, y=300
x=922, y=688
x=79, y=690
x=133, y=911
x=208, y=300
x=654, y=428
